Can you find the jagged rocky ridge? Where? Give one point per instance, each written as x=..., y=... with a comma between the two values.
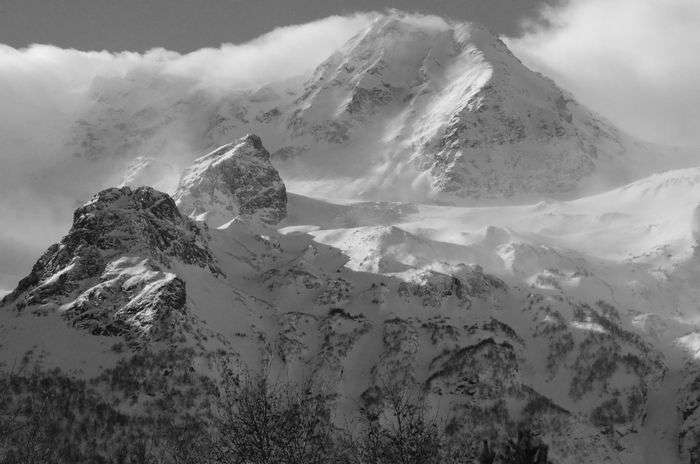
x=488, y=350
x=109, y=274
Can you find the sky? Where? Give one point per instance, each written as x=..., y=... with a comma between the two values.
x=187, y=25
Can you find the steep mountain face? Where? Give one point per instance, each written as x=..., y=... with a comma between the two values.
x=453, y=112
x=410, y=108
x=236, y=179
x=556, y=338
x=107, y=275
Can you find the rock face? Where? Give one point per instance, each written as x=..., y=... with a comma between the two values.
x=689, y=408
x=108, y=274
x=236, y=179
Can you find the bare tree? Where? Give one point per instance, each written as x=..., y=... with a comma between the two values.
x=399, y=430
x=487, y=455
x=526, y=449
x=265, y=423
x=188, y=440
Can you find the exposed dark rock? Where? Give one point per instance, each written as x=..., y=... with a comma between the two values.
x=234, y=180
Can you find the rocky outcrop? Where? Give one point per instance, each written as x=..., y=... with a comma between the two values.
x=110, y=273
x=234, y=180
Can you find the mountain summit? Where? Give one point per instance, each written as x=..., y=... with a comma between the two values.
x=107, y=274
x=444, y=110
x=236, y=179
x=411, y=108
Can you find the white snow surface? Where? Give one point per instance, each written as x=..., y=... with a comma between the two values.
x=633, y=246
x=347, y=291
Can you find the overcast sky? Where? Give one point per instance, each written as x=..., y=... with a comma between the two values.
x=186, y=25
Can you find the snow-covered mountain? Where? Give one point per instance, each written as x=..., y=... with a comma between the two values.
x=411, y=109
x=457, y=221
x=499, y=313
x=407, y=109
x=443, y=110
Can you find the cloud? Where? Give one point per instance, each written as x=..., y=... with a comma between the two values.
x=43, y=88
x=284, y=52
x=43, y=78
x=635, y=62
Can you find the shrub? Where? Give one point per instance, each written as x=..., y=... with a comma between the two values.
x=266, y=423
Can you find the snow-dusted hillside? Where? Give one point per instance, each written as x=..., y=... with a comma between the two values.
x=630, y=253
x=503, y=314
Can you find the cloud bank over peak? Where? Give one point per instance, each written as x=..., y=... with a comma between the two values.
x=634, y=61
x=33, y=75
x=43, y=89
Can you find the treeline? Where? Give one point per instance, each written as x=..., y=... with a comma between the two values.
x=48, y=417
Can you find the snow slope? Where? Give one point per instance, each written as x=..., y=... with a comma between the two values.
x=633, y=247
x=511, y=313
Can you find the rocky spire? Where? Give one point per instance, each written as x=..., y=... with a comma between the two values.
x=234, y=180
x=109, y=273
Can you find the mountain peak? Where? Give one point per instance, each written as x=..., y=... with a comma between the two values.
x=411, y=108
x=122, y=238
x=236, y=179
x=445, y=110
x=145, y=199
x=254, y=141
